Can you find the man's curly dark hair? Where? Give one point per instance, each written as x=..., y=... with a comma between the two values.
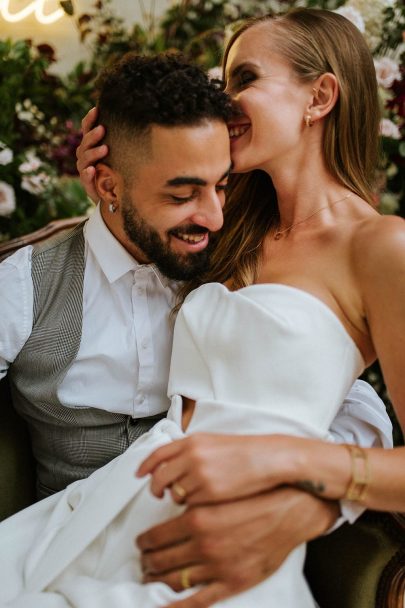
x=140, y=91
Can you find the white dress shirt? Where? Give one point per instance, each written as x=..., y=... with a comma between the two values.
x=124, y=356
x=123, y=360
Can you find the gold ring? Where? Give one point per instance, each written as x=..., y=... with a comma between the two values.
x=185, y=578
x=179, y=490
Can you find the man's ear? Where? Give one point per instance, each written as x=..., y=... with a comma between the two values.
x=324, y=95
x=107, y=182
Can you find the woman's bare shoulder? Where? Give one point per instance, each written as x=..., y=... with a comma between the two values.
x=384, y=230
x=378, y=242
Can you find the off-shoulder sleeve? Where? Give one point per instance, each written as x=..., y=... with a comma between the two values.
x=362, y=419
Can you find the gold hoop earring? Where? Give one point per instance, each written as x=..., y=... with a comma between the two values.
x=308, y=120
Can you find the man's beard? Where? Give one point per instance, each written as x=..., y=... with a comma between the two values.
x=172, y=265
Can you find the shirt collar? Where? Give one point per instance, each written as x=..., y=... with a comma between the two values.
x=113, y=258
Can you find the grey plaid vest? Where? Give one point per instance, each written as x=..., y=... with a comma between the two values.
x=68, y=444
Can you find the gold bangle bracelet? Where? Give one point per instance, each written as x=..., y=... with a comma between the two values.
x=360, y=469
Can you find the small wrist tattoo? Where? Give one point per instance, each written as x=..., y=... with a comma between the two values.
x=311, y=486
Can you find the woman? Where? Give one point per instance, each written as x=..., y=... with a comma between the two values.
x=309, y=291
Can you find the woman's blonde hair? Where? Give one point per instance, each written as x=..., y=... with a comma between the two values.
x=313, y=41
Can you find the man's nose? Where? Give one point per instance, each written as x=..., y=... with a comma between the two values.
x=210, y=213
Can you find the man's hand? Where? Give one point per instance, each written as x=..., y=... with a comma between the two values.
x=232, y=546
x=88, y=153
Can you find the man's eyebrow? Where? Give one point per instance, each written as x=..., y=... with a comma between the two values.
x=186, y=180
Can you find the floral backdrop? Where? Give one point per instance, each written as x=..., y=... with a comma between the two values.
x=41, y=112
x=40, y=121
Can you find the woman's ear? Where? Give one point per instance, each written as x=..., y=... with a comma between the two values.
x=107, y=184
x=325, y=93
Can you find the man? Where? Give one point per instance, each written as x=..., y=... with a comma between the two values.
x=86, y=326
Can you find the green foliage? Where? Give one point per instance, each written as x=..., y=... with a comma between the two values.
x=42, y=112
x=38, y=136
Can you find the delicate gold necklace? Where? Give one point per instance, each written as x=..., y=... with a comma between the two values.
x=279, y=233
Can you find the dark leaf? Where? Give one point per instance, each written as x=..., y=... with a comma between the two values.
x=67, y=6
x=83, y=19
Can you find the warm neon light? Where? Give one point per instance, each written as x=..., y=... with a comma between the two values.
x=35, y=6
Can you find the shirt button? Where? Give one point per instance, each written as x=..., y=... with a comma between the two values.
x=141, y=397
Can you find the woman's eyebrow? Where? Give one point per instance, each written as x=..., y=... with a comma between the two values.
x=240, y=67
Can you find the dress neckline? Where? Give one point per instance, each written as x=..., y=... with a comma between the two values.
x=320, y=303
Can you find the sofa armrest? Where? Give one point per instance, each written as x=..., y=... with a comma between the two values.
x=391, y=588
x=17, y=468
x=360, y=565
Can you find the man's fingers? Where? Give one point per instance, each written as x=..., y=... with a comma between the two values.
x=205, y=597
x=172, y=558
x=203, y=519
x=170, y=532
x=190, y=576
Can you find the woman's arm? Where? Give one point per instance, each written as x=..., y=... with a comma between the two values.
x=379, y=266
x=326, y=470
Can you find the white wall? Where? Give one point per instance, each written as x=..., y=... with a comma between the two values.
x=62, y=34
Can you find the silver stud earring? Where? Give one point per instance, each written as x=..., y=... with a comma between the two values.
x=112, y=208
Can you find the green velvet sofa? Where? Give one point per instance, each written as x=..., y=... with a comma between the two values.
x=358, y=566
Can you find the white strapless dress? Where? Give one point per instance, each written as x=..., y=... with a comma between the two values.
x=265, y=359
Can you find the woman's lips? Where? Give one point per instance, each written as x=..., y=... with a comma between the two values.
x=237, y=130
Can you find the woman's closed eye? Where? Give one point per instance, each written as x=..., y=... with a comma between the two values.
x=240, y=81
x=245, y=77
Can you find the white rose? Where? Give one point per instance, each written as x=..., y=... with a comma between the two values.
x=389, y=129
x=215, y=73
x=387, y=70
x=25, y=116
x=35, y=184
x=353, y=15
x=7, y=199
x=31, y=164
x=6, y=155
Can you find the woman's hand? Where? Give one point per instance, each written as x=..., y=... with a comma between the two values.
x=210, y=468
x=89, y=153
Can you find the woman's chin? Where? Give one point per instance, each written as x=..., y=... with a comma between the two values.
x=240, y=165
x=242, y=160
